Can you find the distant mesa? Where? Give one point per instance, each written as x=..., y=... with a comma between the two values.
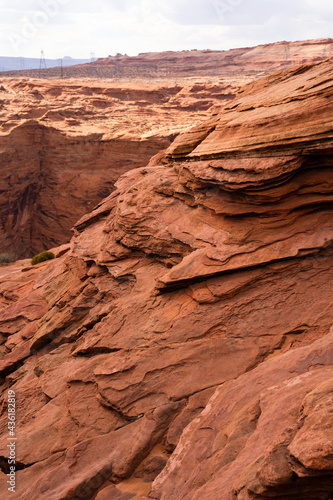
x=259, y=60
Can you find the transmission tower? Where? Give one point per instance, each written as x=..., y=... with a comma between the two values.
x=22, y=64
x=287, y=60
x=117, y=68
x=92, y=65
x=215, y=66
x=42, y=62
x=61, y=68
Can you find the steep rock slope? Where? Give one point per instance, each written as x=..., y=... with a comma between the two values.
x=185, y=335
x=64, y=144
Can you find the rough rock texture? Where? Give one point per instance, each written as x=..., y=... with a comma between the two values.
x=187, y=329
x=266, y=434
x=64, y=144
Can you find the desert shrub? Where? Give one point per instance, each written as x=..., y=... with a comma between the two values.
x=41, y=257
x=6, y=258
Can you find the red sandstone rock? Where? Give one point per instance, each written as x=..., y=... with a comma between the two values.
x=112, y=493
x=192, y=312
x=62, y=153
x=246, y=443
x=65, y=143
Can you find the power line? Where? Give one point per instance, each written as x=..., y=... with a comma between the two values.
x=61, y=68
x=42, y=62
x=287, y=59
x=92, y=68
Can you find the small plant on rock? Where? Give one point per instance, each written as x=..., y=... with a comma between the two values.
x=41, y=257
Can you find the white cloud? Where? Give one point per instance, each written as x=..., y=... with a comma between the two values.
x=133, y=26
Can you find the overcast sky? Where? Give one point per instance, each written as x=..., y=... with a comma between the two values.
x=78, y=28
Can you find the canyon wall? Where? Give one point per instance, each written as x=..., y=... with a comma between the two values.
x=63, y=146
x=64, y=143
x=180, y=347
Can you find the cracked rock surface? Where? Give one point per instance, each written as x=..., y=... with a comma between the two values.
x=180, y=347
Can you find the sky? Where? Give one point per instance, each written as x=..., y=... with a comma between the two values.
x=83, y=28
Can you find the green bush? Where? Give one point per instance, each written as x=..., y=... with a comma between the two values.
x=6, y=258
x=41, y=257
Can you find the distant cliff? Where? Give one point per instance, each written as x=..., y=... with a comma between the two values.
x=248, y=60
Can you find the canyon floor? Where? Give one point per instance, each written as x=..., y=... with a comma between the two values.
x=180, y=346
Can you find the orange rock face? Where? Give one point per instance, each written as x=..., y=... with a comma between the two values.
x=184, y=337
x=64, y=144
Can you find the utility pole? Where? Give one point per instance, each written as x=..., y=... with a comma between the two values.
x=287, y=60
x=61, y=68
x=215, y=67
x=42, y=62
x=92, y=61
x=117, y=68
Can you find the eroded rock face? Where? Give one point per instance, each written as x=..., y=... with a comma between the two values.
x=64, y=144
x=264, y=435
x=187, y=330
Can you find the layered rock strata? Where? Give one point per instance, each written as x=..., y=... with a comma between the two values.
x=184, y=336
x=64, y=144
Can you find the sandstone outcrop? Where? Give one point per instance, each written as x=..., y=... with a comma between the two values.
x=185, y=335
x=64, y=144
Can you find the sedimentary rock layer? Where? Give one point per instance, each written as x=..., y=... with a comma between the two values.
x=184, y=336
x=64, y=144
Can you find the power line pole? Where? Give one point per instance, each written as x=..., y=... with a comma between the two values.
x=92, y=63
x=42, y=62
x=61, y=68
x=117, y=68
x=287, y=60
